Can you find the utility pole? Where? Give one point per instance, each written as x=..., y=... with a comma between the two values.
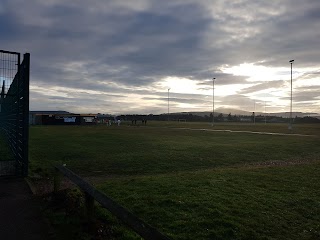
x=168, y=103
x=213, y=79
x=265, y=113
x=254, y=112
x=290, y=124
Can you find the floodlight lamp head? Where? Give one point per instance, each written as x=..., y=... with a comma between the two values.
x=291, y=61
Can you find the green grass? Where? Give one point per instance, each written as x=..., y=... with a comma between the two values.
x=100, y=150
x=269, y=127
x=197, y=184
x=243, y=203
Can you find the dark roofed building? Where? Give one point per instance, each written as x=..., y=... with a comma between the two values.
x=60, y=118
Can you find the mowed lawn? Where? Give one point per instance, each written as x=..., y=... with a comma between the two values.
x=197, y=184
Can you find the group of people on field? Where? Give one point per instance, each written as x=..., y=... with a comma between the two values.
x=109, y=122
x=134, y=122
x=118, y=122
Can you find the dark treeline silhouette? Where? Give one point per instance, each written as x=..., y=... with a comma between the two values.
x=307, y=120
x=219, y=118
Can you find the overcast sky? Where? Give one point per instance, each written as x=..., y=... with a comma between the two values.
x=122, y=56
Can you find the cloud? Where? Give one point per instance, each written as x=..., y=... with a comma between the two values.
x=263, y=86
x=123, y=50
x=220, y=79
x=181, y=100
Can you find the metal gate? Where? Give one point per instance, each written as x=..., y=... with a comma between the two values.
x=14, y=112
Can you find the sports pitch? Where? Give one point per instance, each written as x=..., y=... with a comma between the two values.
x=197, y=184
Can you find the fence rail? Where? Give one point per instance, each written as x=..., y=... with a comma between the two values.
x=143, y=229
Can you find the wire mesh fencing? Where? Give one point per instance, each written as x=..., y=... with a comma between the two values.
x=14, y=112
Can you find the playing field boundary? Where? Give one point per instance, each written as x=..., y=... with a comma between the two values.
x=239, y=131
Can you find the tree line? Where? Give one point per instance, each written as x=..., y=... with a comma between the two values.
x=189, y=117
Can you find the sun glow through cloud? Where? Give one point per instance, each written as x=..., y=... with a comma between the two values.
x=184, y=85
x=276, y=97
x=180, y=85
x=256, y=72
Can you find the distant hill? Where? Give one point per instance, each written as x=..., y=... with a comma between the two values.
x=226, y=111
x=49, y=112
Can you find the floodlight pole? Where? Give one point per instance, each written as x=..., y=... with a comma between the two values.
x=213, y=79
x=168, y=103
x=254, y=112
x=265, y=113
x=290, y=123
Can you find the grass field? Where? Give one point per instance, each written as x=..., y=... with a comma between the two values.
x=197, y=184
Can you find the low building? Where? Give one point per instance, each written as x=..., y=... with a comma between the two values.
x=60, y=118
